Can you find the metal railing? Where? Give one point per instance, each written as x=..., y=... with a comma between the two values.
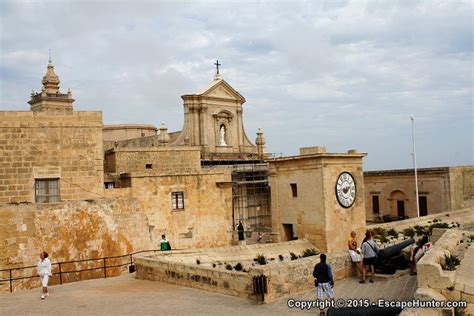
x=103, y=266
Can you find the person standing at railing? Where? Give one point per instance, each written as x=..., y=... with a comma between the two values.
x=44, y=272
x=164, y=244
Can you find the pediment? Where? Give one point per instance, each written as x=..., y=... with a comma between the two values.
x=221, y=89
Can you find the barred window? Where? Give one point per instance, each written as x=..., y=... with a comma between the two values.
x=47, y=190
x=177, y=200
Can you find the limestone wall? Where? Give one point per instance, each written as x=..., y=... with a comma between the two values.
x=64, y=146
x=70, y=230
x=462, y=187
x=465, y=217
x=391, y=186
x=164, y=159
x=453, y=285
x=206, y=219
x=283, y=278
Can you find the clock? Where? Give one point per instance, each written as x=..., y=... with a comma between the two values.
x=345, y=189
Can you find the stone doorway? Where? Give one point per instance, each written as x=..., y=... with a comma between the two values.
x=398, y=204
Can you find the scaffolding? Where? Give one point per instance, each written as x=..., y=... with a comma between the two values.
x=251, y=197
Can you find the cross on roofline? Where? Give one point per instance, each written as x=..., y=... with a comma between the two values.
x=217, y=66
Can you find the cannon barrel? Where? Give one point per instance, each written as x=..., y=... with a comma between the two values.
x=394, y=250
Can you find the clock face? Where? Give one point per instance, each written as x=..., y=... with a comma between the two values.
x=345, y=189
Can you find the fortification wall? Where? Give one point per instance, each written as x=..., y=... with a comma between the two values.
x=67, y=147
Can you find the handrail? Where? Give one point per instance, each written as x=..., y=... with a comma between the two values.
x=104, y=267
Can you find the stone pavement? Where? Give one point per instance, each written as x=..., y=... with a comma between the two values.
x=127, y=295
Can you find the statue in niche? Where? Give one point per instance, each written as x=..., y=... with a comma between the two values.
x=222, y=136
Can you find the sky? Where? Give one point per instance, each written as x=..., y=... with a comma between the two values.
x=340, y=74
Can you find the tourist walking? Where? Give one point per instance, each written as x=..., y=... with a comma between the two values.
x=370, y=252
x=355, y=252
x=44, y=272
x=324, y=281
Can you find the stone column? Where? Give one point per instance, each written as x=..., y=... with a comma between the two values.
x=240, y=128
x=260, y=142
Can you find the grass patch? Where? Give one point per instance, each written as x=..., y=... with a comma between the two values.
x=309, y=252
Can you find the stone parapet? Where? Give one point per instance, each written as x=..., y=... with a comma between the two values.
x=283, y=277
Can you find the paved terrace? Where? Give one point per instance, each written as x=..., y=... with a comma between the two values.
x=127, y=295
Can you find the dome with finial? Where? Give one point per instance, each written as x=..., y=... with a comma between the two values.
x=51, y=80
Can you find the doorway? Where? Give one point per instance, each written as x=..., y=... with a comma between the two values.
x=423, y=203
x=287, y=232
x=401, y=209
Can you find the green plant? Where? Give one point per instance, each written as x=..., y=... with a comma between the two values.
x=450, y=262
x=213, y=265
x=198, y=261
x=309, y=252
x=379, y=231
x=437, y=225
x=238, y=267
x=419, y=230
x=435, y=220
x=260, y=259
x=293, y=256
x=228, y=267
x=281, y=257
x=471, y=237
x=409, y=232
x=392, y=232
x=383, y=239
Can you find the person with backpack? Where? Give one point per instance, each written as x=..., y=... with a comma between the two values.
x=369, y=252
x=324, y=281
x=164, y=244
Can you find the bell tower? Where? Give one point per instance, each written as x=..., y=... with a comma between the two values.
x=213, y=121
x=50, y=99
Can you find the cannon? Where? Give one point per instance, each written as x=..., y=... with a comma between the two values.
x=391, y=258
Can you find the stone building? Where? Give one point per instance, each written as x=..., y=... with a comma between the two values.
x=50, y=153
x=390, y=194
x=318, y=196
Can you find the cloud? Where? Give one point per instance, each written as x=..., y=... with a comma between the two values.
x=344, y=74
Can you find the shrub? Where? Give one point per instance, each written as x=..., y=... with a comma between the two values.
x=392, y=232
x=228, y=267
x=238, y=267
x=409, y=232
x=450, y=262
x=419, y=230
x=281, y=257
x=293, y=256
x=379, y=231
x=471, y=237
x=383, y=239
x=260, y=259
x=198, y=261
x=435, y=220
x=243, y=270
x=437, y=225
x=309, y=252
x=213, y=265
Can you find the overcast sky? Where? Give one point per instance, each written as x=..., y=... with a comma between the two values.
x=342, y=74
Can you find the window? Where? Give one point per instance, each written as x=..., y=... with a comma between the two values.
x=148, y=166
x=294, y=189
x=375, y=204
x=47, y=190
x=109, y=185
x=177, y=200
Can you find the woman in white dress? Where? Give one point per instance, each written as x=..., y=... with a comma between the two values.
x=44, y=272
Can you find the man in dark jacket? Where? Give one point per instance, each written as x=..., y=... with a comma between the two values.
x=323, y=275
